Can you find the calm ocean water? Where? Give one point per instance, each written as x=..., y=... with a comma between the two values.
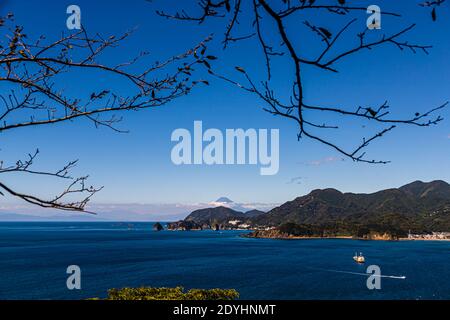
x=34, y=257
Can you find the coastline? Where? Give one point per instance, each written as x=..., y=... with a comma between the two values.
x=278, y=234
x=298, y=237
x=274, y=234
x=422, y=239
x=341, y=237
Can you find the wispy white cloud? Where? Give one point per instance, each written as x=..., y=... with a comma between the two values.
x=296, y=180
x=131, y=211
x=243, y=206
x=323, y=161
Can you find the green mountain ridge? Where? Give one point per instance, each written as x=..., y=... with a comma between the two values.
x=418, y=207
x=220, y=215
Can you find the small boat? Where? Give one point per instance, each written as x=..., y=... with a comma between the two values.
x=359, y=258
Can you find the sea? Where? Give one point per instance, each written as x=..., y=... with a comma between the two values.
x=34, y=257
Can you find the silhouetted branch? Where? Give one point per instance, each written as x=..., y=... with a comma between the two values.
x=34, y=71
x=274, y=15
x=77, y=186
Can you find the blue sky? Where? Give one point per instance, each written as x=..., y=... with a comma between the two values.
x=136, y=167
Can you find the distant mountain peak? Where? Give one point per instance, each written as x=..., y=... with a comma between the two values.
x=422, y=183
x=326, y=191
x=224, y=200
x=420, y=188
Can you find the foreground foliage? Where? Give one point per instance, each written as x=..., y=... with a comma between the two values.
x=177, y=293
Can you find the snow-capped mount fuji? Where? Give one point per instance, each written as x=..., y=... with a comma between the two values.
x=228, y=203
x=224, y=200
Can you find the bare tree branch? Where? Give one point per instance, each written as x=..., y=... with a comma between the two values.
x=34, y=71
x=274, y=16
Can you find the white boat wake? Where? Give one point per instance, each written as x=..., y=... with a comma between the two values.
x=362, y=274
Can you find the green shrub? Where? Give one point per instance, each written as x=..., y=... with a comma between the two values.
x=177, y=293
